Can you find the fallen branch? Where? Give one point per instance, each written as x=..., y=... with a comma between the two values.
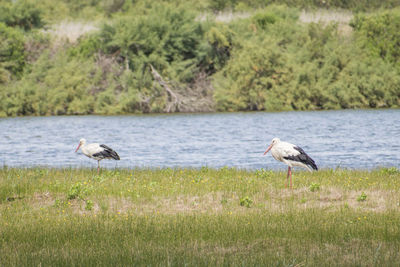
x=173, y=99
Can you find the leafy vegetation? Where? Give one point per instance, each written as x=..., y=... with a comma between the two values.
x=304, y=67
x=24, y=14
x=246, y=202
x=362, y=197
x=173, y=56
x=355, y=5
x=378, y=34
x=196, y=216
x=12, y=53
x=314, y=187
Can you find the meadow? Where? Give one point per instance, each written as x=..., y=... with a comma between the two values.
x=161, y=217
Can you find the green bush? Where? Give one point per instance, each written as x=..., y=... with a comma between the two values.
x=262, y=20
x=355, y=5
x=166, y=36
x=88, y=47
x=303, y=67
x=252, y=76
x=163, y=35
x=89, y=205
x=268, y=61
x=314, y=187
x=22, y=13
x=79, y=191
x=362, y=197
x=380, y=35
x=246, y=202
x=53, y=86
x=12, y=53
x=218, y=45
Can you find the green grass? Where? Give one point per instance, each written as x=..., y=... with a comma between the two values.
x=159, y=217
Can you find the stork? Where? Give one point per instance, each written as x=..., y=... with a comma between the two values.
x=97, y=152
x=291, y=155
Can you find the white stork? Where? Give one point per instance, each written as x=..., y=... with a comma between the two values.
x=97, y=152
x=291, y=155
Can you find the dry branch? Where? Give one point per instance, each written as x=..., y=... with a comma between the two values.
x=173, y=99
x=197, y=97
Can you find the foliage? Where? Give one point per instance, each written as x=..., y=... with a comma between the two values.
x=264, y=174
x=379, y=34
x=250, y=77
x=54, y=86
x=58, y=10
x=218, y=46
x=390, y=171
x=302, y=68
x=77, y=190
x=35, y=13
x=268, y=61
x=22, y=13
x=89, y=205
x=167, y=37
x=314, y=187
x=362, y=197
x=12, y=54
x=246, y=202
x=355, y=5
x=88, y=47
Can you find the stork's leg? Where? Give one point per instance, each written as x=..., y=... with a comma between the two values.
x=290, y=174
x=98, y=166
x=287, y=177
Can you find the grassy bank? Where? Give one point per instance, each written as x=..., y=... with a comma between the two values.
x=198, y=217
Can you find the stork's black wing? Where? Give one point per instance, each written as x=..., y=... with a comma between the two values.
x=107, y=153
x=303, y=158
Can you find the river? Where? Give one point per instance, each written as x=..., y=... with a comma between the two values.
x=354, y=139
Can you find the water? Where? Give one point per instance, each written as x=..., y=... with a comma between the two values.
x=359, y=139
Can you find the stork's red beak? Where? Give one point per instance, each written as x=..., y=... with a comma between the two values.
x=78, y=147
x=268, y=149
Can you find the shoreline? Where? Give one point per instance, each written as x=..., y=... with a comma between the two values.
x=151, y=114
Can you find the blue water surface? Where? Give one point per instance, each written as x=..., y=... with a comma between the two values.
x=355, y=139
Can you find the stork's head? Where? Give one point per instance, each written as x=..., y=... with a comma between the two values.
x=81, y=142
x=273, y=142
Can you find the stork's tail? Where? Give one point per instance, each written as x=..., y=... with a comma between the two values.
x=312, y=164
x=303, y=158
x=114, y=155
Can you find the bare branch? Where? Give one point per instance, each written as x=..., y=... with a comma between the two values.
x=173, y=99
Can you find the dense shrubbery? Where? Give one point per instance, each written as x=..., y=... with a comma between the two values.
x=380, y=34
x=303, y=67
x=356, y=5
x=166, y=36
x=12, y=53
x=55, y=85
x=269, y=61
x=23, y=13
x=109, y=72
